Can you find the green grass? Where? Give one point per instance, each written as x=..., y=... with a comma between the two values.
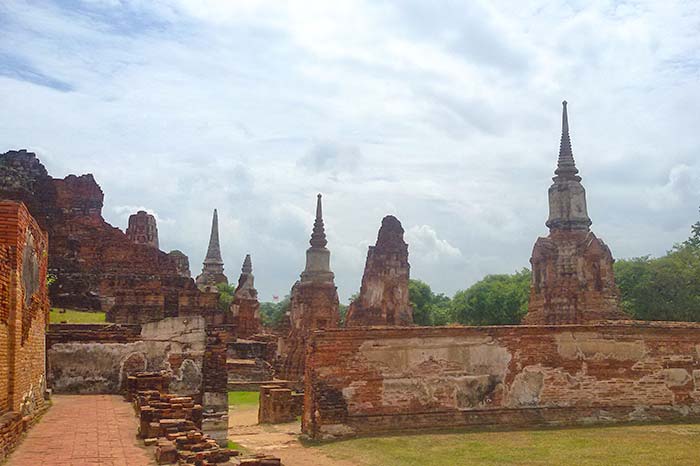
x=235, y=446
x=76, y=317
x=243, y=398
x=675, y=444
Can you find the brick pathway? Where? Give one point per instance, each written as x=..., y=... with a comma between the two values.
x=81, y=430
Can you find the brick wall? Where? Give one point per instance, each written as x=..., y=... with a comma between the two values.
x=98, y=358
x=382, y=380
x=24, y=309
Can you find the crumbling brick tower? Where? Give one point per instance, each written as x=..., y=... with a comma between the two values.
x=213, y=266
x=314, y=302
x=572, y=269
x=383, y=298
x=245, y=307
x=142, y=229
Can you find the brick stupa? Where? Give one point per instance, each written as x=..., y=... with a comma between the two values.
x=572, y=269
x=213, y=265
x=142, y=229
x=383, y=298
x=313, y=302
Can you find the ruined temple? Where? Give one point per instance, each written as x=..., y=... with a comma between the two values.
x=245, y=307
x=96, y=265
x=142, y=229
x=572, y=270
x=383, y=298
x=313, y=302
x=213, y=265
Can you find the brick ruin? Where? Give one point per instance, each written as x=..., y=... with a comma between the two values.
x=142, y=229
x=245, y=308
x=213, y=265
x=97, y=267
x=24, y=313
x=370, y=380
x=572, y=270
x=383, y=298
x=313, y=303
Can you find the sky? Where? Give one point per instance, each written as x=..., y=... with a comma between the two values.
x=445, y=114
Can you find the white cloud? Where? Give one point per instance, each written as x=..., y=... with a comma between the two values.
x=446, y=116
x=425, y=244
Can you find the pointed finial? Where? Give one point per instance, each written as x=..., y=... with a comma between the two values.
x=318, y=236
x=214, y=250
x=566, y=167
x=247, y=265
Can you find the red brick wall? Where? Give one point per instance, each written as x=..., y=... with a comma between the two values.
x=24, y=310
x=363, y=381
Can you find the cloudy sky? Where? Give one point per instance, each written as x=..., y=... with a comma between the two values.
x=443, y=113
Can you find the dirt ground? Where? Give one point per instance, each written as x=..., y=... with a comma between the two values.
x=279, y=439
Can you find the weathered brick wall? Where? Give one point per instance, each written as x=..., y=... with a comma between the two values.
x=363, y=381
x=99, y=358
x=24, y=309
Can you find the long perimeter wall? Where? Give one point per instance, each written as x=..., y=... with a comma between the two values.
x=369, y=380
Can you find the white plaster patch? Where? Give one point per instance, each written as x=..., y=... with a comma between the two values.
x=593, y=346
x=676, y=377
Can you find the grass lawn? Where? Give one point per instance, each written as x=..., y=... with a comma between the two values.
x=675, y=444
x=243, y=398
x=76, y=317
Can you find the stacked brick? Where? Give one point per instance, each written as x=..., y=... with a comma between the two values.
x=24, y=309
x=279, y=404
x=173, y=424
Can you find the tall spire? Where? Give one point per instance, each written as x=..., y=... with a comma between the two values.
x=318, y=235
x=566, y=167
x=318, y=257
x=567, y=197
x=214, y=250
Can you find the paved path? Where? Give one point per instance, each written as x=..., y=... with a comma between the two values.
x=82, y=430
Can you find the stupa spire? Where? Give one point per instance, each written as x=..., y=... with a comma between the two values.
x=318, y=267
x=318, y=235
x=214, y=250
x=566, y=166
x=247, y=265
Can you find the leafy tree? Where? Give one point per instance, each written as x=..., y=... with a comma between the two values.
x=226, y=291
x=271, y=314
x=664, y=288
x=428, y=308
x=495, y=300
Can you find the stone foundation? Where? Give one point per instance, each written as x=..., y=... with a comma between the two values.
x=366, y=381
x=279, y=404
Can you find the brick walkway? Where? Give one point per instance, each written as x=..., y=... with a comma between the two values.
x=81, y=430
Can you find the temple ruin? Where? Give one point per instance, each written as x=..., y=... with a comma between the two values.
x=213, y=265
x=314, y=302
x=142, y=229
x=383, y=298
x=572, y=270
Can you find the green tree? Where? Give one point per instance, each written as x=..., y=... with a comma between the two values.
x=495, y=300
x=428, y=308
x=271, y=314
x=226, y=292
x=664, y=288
